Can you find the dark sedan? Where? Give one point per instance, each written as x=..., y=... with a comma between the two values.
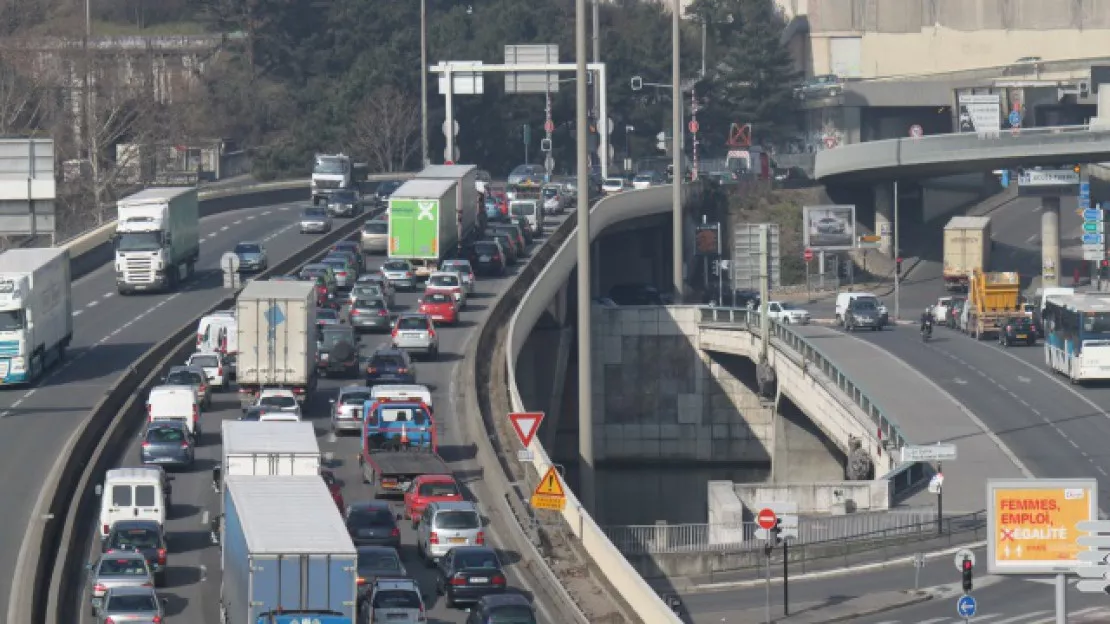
x=488, y=258
x=389, y=366
x=373, y=524
x=1018, y=330
x=376, y=562
x=141, y=536
x=466, y=573
x=167, y=443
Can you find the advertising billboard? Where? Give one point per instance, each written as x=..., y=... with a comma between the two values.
x=1032, y=524
x=707, y=240
x=829, y=228
x=981, y=114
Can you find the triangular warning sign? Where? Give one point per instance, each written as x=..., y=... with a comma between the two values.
x=526, y=425
x=551, y=484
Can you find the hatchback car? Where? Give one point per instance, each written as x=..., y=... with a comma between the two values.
x=428, y=489
x=450, y=283
x=252, y=256
x=400, y=274
x=372, y=290
x=514, y=231
x=444, y=526
x=1018, y=330
x=372, y=523
x=507, y=608
x=377, y=277
x=466, y=573
x=191, y=376
x=375, y=562
x=168, y=443
x=463, y=268
x=489, y=258
x=396, y=600
x=337, y=351
x=375, y=237
x=315, y=220
x=327, y=316
x=441, y=307
x=390, y=366
x=214, y=367
x=512, y=253
x=416, y=333
x=131, y=605
x=612, y=186
x=145, y=537
x=117, y=569
x=348, y=246
x=346, y=408
x=345, y=272
x=370, y=314
x=343, y=203
x=278, y=400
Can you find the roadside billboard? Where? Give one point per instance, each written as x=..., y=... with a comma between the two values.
x=829, y=228
x=980, y=113
x=1032, y=524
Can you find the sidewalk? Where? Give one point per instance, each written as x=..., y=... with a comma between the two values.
x=819, y=612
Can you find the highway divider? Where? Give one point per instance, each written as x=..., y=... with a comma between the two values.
x=61, y=529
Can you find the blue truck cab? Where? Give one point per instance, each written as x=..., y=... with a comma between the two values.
x=303, y=617
x=397, y=425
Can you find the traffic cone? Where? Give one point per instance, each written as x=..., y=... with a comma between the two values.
x=404, y=435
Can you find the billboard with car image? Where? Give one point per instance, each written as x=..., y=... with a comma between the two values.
x=829, y=228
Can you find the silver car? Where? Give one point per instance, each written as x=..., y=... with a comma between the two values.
x=454, y=523
x=252, y=256
x=346, y=408
x=416, y=333
x=400, y=274
x=315, y=220
x=375, y=237
x=463, y=268
x=131, y=605
x=342, y=269
x=372, y=290
x=396, y=600
x=114, y=569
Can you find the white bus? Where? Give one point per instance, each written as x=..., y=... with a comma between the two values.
x=1077, y=336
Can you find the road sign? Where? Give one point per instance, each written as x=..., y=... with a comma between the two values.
x=549, y=126
x=916, y=131
x=1093, y=587
x=766, y=518
x=524, y=455
x=808, y=255
x=966, y=606
x=549, y=493
x=929, y=453
x=961, y=554
x=229, y=262
x=1092, y=214
x=693, y=126
x=1094, y=227
x=1032, y=524
x=548, y=163
x=830, y=142
x=1092, y=239
x=526, y=424
x=787, y=515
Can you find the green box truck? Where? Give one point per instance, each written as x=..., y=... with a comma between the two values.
x=423, y=224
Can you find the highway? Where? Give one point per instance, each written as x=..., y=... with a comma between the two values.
x=193, y=580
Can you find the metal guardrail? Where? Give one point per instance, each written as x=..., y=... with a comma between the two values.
x=741, y=536
x=814, y=357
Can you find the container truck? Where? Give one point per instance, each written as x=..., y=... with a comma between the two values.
x=967, y=248
x=36, y=312
x=399, y=443
x=334, y=172
x=286, y=551
x=468, y=195
x=276, y=326
x=157, y=239
x=267, y=449
x=424, y=224
x=992, y=298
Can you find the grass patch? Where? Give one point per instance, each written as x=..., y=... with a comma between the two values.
x=756, y=203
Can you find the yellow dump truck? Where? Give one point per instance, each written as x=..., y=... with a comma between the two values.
x=992, y=298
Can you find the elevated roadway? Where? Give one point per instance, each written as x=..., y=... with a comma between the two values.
x=951, y=154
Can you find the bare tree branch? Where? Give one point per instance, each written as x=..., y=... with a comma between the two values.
x=24, y=93
x=386, y=130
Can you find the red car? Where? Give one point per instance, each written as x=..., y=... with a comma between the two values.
x=428, y=489
x=440, y=307
x=502, y=201
x=335, y=489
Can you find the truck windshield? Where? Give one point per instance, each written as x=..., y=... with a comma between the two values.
x=330, y=166
x=139, y=241
x=523, y=209
x=11, y=320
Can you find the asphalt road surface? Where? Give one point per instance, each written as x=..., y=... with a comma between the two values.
x=193, y=579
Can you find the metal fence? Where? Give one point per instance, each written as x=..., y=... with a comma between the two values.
x=738, y=537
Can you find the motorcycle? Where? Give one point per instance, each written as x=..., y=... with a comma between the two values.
x=926, y=332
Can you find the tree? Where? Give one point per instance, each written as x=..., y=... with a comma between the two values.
x=387, y=130
x=24, y=93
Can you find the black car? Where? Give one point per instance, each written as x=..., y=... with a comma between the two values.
x=466, y=573
x=385, y=189
x=168, y=443
x=390, y=366
x=525, y=229
x=507, y=244
x=863, y=314
x=376, y=562
x=488, y=259
x=1018, y=330
x=143, y=536
x=512, y=231
x=635, y=294
x=373, y=524
x=338, y=352
x=510, y=608
x=344, y=203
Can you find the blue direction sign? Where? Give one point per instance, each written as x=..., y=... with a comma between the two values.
x=1092, y=239
x=1092, y=214
x=1084, y=189
x=1084, y=203
x=966, y=607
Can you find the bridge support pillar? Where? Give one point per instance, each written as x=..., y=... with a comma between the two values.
x=1050, y=242
x=884, y=217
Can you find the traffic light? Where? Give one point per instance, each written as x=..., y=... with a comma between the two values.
x=775, y=534
x=967, y=575
x=898, y=266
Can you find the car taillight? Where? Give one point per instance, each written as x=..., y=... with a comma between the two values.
x=498, y=580
x=156, y=619
x=394, y=333
x=109, y=621
x=200, y=339
x=361, y=581
x=100, y=588
x=433, y=538
x=105, y=529
x=408, y=273
x=481, y=539
x=402, y=371
x=371, y=370
x=458, y=579
x=146, y=444
x=162, y=556
x=220, y=371
x=1009, y=328
x=354, y=312
x=341, y=273
x=298, y=390
x=149, y=413
x=497, y=257
x=383, y=313
x=395, y=532
x=431, y=333
x=196, y=413
x=184, y=445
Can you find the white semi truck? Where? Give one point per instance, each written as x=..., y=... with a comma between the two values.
x=36, y=312
x=157, y=239
x=334, y=172
x=276, y=322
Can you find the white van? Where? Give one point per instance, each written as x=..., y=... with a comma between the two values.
x=402, y=392
x=132, y=494
x=174, y=403
x=219, y=332
x=843, y=300
x=530, y=210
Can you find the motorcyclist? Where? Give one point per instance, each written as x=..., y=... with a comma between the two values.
x=927, y=320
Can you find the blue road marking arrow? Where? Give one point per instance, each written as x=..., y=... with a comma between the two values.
x=966, y=607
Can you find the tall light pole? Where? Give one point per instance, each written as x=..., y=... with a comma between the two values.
x=585, y=373
x=676, y=152
x=424, y=83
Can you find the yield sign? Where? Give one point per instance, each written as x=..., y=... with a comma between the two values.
x=526, y=424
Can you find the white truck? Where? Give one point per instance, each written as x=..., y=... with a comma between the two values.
x=469, y=196
x=157, y=239
x=334, y=172
x=276, y=326
x=267, y=449
x=967, y=248
x=36, y=312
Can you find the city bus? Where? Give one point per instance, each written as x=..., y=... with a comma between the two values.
x=1077, y=336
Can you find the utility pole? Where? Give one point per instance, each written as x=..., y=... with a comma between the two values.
x=424, y=162
x=676, y=149
x=585, y=347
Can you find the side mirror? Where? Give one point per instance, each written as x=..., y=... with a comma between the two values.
x=88, y=566
x=217, y=477
x=98, y=490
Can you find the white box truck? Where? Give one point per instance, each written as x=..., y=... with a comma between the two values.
x=423, y=224
x=967, y=248
x=36, y=312
x=268, y=449
x=286, y=554
x=276, y=326
x=468, y=200
x=157, y=239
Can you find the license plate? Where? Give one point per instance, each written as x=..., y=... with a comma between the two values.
x=479, y=579
x=397, y=616
x=356, y=414
x=366, y=532
x=457, y=540
x=412, y=334
x=483, y=258
x=1023, y=335
x=438, y=317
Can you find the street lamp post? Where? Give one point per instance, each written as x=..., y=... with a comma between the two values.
x=424, y=83
x=676, y=124
x=585, y=353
